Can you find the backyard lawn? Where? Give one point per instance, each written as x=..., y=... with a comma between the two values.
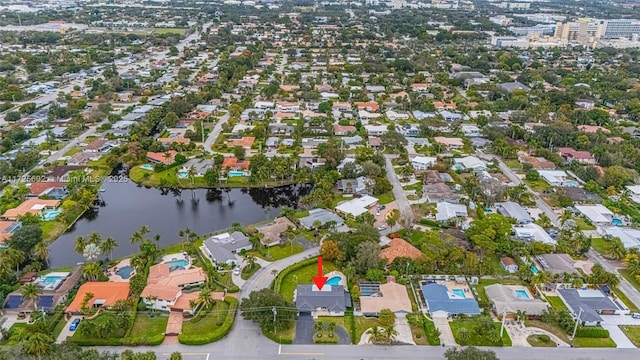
x=557, y=303
x=385, y=198
x=582, y=224
x=145, y=327
x=473, y=337
x=207, y=323
x=278, y=252
x=302, y=276
x=632, y=332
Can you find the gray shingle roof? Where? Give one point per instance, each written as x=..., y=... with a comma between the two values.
x=589, y=300
x=514, y=210
x=322, y=215
x=438, y=300
x=336, y=300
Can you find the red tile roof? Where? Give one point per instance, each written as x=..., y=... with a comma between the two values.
x=399, y=248
x=234, y=163
x=160, y=157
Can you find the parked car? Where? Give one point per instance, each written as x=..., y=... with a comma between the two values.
x=635, y=315
x=383, y=227
x=236, y=271
x=74, y=325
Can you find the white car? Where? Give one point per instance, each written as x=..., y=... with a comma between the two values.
x=236, y=271
x=383, y=227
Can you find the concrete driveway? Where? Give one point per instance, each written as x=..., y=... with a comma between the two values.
x=404, y=331
x=446, y=335
x=616, y=334
x=304, y=330
x=65, y=330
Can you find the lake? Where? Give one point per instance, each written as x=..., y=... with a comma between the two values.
x=126, y=207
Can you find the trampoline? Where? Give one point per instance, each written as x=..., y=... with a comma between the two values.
x=45, y=301
x=13, y=302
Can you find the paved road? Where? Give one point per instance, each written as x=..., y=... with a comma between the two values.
x=626, y=287
x=398, y=192
x=213, y=135
x=540, y=203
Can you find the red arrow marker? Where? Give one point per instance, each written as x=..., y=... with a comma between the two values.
x=319, y=280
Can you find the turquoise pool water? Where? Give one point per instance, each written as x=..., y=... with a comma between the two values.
x=334, y=281
x=522, y=294
x=235, y=173
x=534, y=269
x=147, y=167
x=616, y=222
x=459, y=292
x=48, y=214
x=125, y=271
x=177, y=263
x=571, y=183
x=50, y=282
x=182, y=174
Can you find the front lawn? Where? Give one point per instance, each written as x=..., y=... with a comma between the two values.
x=278, y=252
x=632, y=307
x=147, y=329
x=473, y=338
x=302, y=275
x=248, y=271
x=552, y=328
x=385, y=198
x=632, y=332
x=212, y=320
x=594, y=342
x=540, y=341
x=599, y=244
x=285, y=336
x=538, y=185
x=582, y=224
x=630, y=278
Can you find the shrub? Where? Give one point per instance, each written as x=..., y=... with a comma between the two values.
x=216, y=334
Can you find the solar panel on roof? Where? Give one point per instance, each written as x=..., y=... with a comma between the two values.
x=13, y=302
x=45, y=301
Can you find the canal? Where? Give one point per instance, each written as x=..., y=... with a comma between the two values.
x=125, y=207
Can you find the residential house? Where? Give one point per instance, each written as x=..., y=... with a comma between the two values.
x=443, y=300
x=200, y=166
x=408, y=130
x=513, y=86
x=244, y=142
x=375, y=143
x=391, y=295
x=469, y=163
x=7, y=228
x=166, y=158
x=331, y=300
x=399, y=248
x=451, y=116
x=508, y=264
x=376, y=130
x=322, y=216
x=439, y=105
x=221, y=249
x=272, y=232
x=357, y=206
x=342, y=130
x=556, y=263
x=83, y=158
x=360, y=186
x=423, y=162
x=98, y=146
x=554, y=177
x=446, y=211
x=105, y=294
x=439, y=192
x=592, y=129
x=288, y=107
x=470, y=130
x=597, y=214
x=449, y=143
x=33, y=206
x=634, y=192
x=589, y=305
x=515, y=211
x=368, y=106
x=570, y=155
x=393, y=115
x=538, y=163
x=164, y=287
x=341, y=106
x=585, y=104
x=533, y=232
x=513, y=300
x=236, y=167
x=630, y=237
x=421, y=115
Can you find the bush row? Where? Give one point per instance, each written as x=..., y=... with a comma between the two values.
x=592, y=332
x=216, y=334
x=151, y=341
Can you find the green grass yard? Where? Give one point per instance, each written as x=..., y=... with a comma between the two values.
x=302, y=276
x=557, y=303
x=145, y=327
x=599, y=244
x=207, y=323
x=162, y=31
x=474, y=338
x=385, y=198
x=594, y=342
x=247, y=272
x=278, y=252
x=540, y=341
x=632, y=332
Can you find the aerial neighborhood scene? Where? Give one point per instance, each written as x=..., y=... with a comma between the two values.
x=304, y=179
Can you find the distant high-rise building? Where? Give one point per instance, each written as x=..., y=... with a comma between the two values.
x=620, y=28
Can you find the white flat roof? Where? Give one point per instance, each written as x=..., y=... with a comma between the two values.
x=595, y=213
x=357, y=206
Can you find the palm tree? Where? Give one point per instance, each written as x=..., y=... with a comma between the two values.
x=91, y=252
x=107, y=246
x=80, y=244
x=377, y=335
x=150, y=301
x=615, y=249
x=92, y=271
x=11, y=258
x=41, y=251
x=291, y=236
x=464, y=334
x=566, y=215
x=205, y=299
x=31, y=291
x=38, y=344
x=95, y=238
x=318, y=326
x=390, y=334
x=250, y=260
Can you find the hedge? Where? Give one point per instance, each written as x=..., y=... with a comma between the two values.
x=286, y=271
x=57, y=317
x=592, y=332
x=348, y=316
x=217, y=334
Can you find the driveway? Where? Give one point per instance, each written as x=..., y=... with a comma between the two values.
x=616, y=334
x=519, y=335
x=446, y=335
x=304, y=330
x=404, y=331
x=65, y=330
x=343, y=336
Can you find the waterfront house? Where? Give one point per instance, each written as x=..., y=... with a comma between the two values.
x=105, y=294
x=32, y=206
x=166, y=158
x=272, y=232
x=236, y=167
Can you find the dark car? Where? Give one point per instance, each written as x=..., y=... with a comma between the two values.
x=74, y=325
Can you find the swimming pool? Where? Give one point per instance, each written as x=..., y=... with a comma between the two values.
x=125, y=271
x=459, y=292
x=182, y=174
x=52, y=280
x=571, y=183
x=521, y=294
x=235, y=173
x=50, y=214
x=334, y=281
x=534, y=269
x=147, y=167
x=177, y=263
x=616, y=222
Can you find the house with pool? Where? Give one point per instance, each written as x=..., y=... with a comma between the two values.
x=445, y=296
x=105, y=294
x=511, y=299
x=331, y=300
x=236, y=167
x=169, y=287
x=375, y=296
x=47, y=209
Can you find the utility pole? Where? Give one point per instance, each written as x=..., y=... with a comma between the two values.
x=275, y=312
x=504, y=316
x=575, y=328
